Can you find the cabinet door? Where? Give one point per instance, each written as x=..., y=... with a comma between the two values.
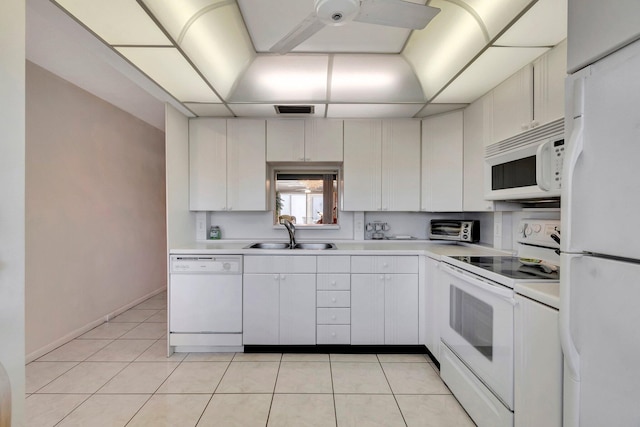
x=549, y=72
x=538, y=365
x=362, y=165
x=285, y=140
x=513, y=105
x=401, y=309
x=297, y=309
x=442, y=143
x=261, y=302
x=207, y=164
x=246, y=165
x=367, y=309
x=400, y=165
x=323, y=140
x=473, y=155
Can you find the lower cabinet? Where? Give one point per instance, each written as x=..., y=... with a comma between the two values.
x=431, y=298
x=384, y=309
x=538, y=365
x=279, y=300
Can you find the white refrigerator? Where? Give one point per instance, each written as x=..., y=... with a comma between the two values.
x=600, y=260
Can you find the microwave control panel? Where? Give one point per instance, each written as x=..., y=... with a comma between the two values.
x=556, y=162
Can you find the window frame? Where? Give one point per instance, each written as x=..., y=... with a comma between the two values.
x=320, y=169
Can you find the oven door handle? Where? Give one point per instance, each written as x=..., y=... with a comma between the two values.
x=495, y=290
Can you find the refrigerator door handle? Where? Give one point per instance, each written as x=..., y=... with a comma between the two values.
x=575, y=148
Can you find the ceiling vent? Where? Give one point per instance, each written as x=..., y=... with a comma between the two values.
x=294, y=109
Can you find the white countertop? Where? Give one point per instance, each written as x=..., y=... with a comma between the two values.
x=433, y=249
x=545, y=293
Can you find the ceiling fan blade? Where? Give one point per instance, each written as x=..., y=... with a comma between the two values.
x=308, y=27
x=396, y=13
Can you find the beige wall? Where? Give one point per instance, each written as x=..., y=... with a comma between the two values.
x=95, y=210
x=12, y=169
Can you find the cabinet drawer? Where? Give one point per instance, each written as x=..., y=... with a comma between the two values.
x=334, y=264
x=334, y=282
x=334, y=316
x=334, y=334
x=384, y=264
x=334, y=299
x=279, y=264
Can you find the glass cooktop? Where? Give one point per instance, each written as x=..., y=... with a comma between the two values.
x=510, y=267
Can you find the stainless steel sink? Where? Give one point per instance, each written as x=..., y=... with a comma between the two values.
x=268, y=245
x=283, y=245
x=314, y=246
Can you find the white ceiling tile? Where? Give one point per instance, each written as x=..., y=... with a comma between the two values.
x=289, y=78
x=489, y=70
x=450, y=41
x=495, y=14
x=169, y=69
x=358, y=111
x=174, y=15
x=268, y=110
x=209, y=110
x=116, y=21
x=431, y=109
x=373, y=78
x=545, y=24
x=218, y=44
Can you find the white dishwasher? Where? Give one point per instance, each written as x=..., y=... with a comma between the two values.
x=205, y=301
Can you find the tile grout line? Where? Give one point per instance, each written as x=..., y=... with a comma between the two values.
x=392, y=392
x=273, y=394
x=333, y=391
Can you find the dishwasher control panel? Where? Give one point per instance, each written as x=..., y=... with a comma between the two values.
x=206, y=264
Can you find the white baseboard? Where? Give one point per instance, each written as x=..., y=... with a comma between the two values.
x=86, y=328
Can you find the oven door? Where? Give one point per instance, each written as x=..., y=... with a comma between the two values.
x=477, y=326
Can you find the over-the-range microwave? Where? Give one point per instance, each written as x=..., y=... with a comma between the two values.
x=528, y=166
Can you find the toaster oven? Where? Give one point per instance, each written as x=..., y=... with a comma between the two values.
x=454, y=229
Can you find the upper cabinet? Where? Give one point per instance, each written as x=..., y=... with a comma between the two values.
x=381, y=165
x=207, y=164
x=473, y=158
x=442, y=142
x=532, y=97
x=227, y=165
x=300, y=140
x=513, y=105
x=548, y=85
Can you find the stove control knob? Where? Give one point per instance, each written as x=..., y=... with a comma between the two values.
x=527, y=231
x=537, y=228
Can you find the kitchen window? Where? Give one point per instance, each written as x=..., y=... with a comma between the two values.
x=307, y=198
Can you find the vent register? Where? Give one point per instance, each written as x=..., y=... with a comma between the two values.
x=550, y=130
x=294, y=109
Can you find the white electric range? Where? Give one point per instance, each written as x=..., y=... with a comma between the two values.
x=477, y=326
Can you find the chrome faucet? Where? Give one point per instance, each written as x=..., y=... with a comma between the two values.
x=292, y=232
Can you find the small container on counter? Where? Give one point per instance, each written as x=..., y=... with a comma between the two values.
x=215, y=233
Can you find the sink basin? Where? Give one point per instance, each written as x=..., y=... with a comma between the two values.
x=315, y=246
x=269, y=245
x=284, y=245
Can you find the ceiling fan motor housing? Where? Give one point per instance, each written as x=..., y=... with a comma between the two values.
x=337, y=12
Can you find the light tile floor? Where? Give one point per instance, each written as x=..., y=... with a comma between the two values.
x=118, y=375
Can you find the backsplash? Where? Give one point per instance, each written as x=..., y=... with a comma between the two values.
x=259, y=225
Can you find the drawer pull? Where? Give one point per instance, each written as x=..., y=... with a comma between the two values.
x=333, y=317
x=333, y=334
x=333, y=299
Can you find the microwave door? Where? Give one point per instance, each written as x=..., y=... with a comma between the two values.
x=512, y=175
